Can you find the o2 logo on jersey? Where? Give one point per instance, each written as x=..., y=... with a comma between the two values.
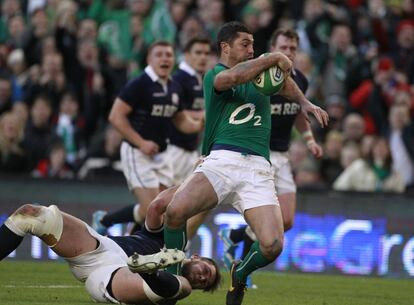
x=251, y=108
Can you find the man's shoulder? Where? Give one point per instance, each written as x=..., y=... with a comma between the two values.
x=141, y=80
x=300, y=79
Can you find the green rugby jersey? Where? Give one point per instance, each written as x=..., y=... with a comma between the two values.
x=239, y=116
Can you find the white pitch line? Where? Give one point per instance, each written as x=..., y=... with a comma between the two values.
x=43, y=286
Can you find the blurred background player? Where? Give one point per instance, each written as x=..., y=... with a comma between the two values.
x=142, y=113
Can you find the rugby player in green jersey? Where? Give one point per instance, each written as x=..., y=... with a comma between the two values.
x=236, y=168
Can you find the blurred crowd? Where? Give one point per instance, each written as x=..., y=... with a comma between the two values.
x=62, y=63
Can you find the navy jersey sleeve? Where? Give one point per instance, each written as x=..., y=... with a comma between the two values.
x=183, y=83
x=132, y=92
x=301, y=81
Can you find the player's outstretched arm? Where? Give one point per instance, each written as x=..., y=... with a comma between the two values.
x=248, y=70
x=304, y=128
x=186, y=123
x=292, y=92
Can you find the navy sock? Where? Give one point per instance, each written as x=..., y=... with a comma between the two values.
x=9, y=241
x=123, y=215
x=248, y=242
x=236, y=235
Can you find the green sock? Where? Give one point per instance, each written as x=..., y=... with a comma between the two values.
x=175, y=239
x=253, y=261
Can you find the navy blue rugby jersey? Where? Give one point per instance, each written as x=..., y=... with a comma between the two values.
x=284, y=114
x=192, y=99
x=142, y=242
x=153, y=106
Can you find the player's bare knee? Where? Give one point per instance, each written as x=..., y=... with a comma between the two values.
x=43, y=222
x=175, y=216
x=271, y=249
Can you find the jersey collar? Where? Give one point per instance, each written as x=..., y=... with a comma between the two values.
x=187, y=68
x=151, y=73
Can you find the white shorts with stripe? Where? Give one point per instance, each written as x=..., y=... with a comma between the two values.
x=97, y=266
x=284, y=182
x=245, y=181
x=182, y=162
x=143, y=171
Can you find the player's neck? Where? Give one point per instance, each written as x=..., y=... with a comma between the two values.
x=227, y=62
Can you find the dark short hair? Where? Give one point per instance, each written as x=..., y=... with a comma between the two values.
x=189, y=45
x=289, y=33
x=162, y=43
x=229, y=32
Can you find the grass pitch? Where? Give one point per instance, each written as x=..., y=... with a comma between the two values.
x=40, y=283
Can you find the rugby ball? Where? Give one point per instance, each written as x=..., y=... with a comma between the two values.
x=270, y=81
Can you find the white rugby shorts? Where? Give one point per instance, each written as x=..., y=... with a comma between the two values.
x=97, y=266
x=245, y=181
x=284, y=182
x=142, y=171
x=182, y=162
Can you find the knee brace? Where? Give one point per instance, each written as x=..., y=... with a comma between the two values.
x=46, y=223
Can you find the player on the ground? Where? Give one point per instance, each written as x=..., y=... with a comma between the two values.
x=285, y=114
x=236, y=141
x=101, y=262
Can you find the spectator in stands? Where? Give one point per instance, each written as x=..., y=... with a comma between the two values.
x=70, y=128
x=6, y=101
x=192, y=27
x=9, y=8
x=55, y=165
x=22, y=111
x=20, y=75
x=17, y=28
x=13, y=157
x=298, y=152
x=403, y=54
x=401, y=138
x=38, y=29
x=39, y=132
x=330, y=166
x=353, y=128
x=307, y=174
x=349, y=153
x=51, y=80
x=373, y=97
x=334, y=60
x=373, y=173
x=103, y=157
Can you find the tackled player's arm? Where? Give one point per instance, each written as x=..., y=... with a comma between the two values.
x=118, y=117
x=186, y=123
x=248, y=70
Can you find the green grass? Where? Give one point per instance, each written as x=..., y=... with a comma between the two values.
x=40, y=283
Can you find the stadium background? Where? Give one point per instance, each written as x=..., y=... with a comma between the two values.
x=91, y=48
